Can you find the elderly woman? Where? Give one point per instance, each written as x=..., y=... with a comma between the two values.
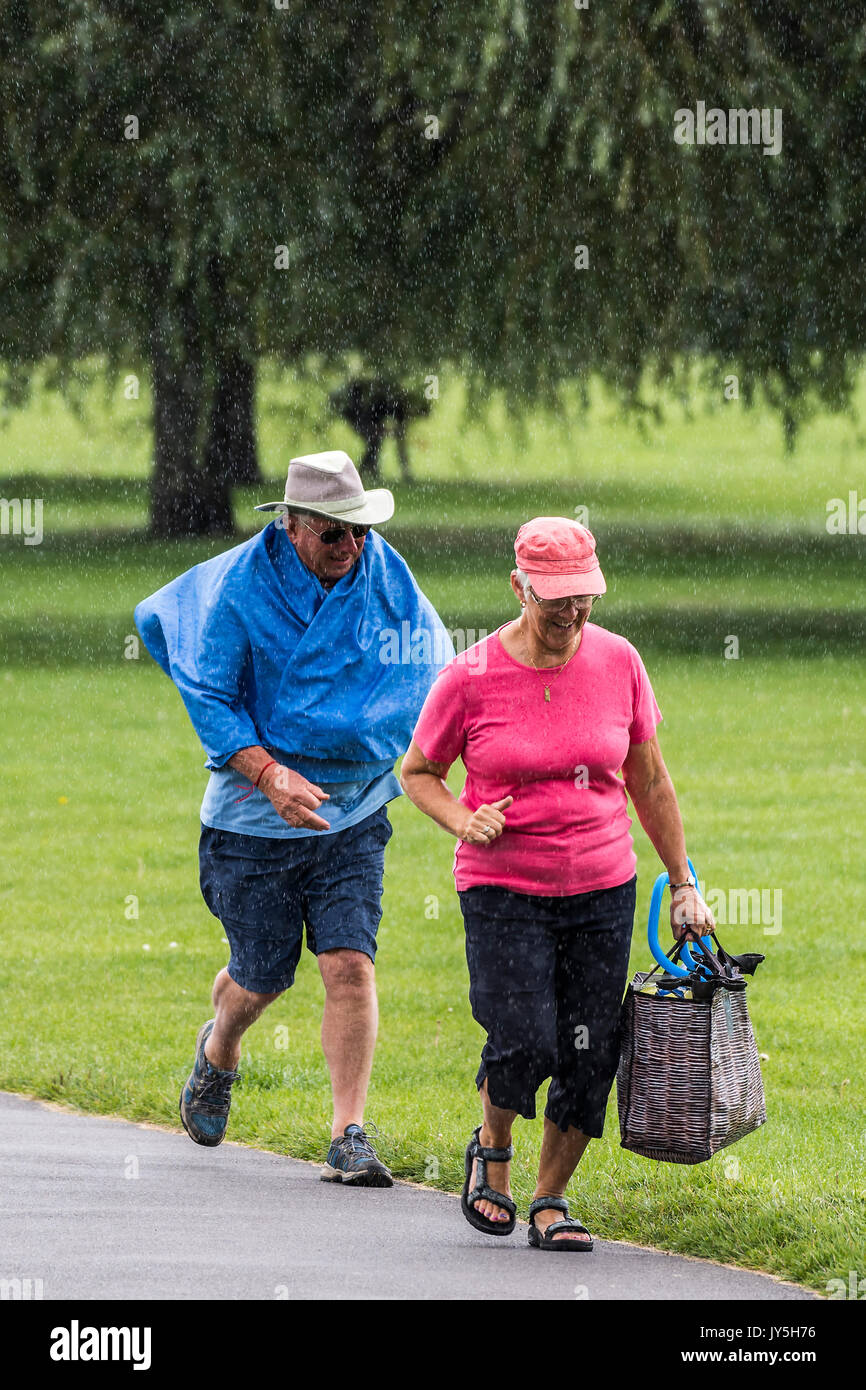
x=545, y=715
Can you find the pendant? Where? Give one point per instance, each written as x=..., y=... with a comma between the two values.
x=547, y=693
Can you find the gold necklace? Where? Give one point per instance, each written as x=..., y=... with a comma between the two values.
x=556, y=677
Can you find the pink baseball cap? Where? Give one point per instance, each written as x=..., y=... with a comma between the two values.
x=558, y=557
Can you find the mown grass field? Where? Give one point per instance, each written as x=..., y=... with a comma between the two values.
x=709, y=465
x=103, y=778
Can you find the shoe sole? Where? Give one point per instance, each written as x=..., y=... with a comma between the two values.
x=374, y=1179
x=571, y=1247
x=206, y=1141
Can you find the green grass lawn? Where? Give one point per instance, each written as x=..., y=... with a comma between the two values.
x=71, y=599
x=704, y=528
x=704, y=531
x=102, y=784
x=709, y=463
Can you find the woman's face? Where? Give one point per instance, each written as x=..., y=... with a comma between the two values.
x=555, y=628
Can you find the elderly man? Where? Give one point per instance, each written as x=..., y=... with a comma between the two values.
x=276, y=647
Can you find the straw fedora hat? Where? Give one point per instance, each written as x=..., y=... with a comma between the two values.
x=329, y=485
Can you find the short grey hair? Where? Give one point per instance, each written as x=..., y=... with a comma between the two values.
x=522, y=579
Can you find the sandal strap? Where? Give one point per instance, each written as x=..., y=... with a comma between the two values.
x=495, y=1155
x=548, y=1204
x=482, y=1193
x=569, y=1224
x=491, y=1155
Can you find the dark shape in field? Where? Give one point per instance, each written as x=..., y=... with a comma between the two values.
x=368, y=405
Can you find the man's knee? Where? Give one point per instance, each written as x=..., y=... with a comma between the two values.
x=346, y=971
x=228, y=994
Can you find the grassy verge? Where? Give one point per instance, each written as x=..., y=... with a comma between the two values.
x=100, y=1005
x=705, y=532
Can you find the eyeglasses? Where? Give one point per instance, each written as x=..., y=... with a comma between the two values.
x=556, y=605
x=335, y=533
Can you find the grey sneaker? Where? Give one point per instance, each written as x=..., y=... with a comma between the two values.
x=206, y=1098
x=352, y=1158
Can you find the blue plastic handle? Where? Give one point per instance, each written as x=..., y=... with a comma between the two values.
x=672, y=967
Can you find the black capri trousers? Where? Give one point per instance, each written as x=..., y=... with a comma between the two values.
x=546, y=981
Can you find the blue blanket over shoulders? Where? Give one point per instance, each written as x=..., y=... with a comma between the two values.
x=262, y=654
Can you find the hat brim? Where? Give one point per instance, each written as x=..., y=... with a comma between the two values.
x=376, y=507
x=566, y=585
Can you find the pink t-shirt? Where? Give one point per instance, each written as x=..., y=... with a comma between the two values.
x=568, y=828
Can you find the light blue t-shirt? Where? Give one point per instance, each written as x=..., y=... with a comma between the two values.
x=226, y=805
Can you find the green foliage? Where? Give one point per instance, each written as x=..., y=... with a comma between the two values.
x=308, y=127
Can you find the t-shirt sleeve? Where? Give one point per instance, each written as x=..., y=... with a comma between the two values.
x=645, y=712
x=440, y=732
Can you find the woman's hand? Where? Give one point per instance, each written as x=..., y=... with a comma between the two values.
x=688, y=910
x=485, y=825
x=424, y=784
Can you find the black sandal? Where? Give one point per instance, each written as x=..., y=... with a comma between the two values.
x=546, y=1241
x=481, y=1191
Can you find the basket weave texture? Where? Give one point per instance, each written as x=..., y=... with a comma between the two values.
x=689, y=1081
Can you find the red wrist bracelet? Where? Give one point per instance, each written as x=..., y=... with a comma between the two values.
x=263, y=771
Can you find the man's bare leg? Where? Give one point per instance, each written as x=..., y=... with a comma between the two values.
x=235, y=1009
x=349, y=1026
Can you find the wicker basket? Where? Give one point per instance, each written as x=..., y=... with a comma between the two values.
x=689, y=1082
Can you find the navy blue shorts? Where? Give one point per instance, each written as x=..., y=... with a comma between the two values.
x=266, y=890
x=546, y=981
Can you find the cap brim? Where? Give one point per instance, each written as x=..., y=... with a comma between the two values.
x=566, y=585
x=376, y=507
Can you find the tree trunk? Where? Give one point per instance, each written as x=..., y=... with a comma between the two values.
x=186, y=499
x=231, y=447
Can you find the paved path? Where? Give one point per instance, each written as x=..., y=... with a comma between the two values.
x=239, y=1223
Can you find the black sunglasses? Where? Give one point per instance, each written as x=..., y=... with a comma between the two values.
x=334, y=534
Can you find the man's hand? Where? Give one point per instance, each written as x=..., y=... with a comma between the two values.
x=486, y=824
x=293, y=797
x=690, y=916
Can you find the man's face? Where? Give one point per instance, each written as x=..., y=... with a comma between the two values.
x=328, y=562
